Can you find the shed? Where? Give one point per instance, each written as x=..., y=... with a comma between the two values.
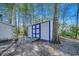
x=6, y=31
x=41, y=30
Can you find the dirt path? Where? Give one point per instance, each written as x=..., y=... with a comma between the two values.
x=40, y=48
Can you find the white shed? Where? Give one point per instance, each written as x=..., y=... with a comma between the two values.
x=6, y=31
x=42, y=30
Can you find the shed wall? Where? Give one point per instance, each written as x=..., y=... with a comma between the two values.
x=45, y=31
x=5, y=31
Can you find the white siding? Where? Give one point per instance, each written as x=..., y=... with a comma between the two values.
x=29, y=31
x=5, y=31
x=45, y=31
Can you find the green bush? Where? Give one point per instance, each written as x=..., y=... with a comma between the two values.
x=71, y=33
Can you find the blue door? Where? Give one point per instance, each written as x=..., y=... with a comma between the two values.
x=36, y=31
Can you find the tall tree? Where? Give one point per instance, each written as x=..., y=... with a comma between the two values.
x=23, y=9
x=55, y=24
x=77, y=20
x=9, y=9
x=65, y=9
x=13, y=20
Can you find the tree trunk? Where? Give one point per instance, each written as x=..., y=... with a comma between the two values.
x=55, y=24
x=24, y=16
x=63, y=25
x=15, y=22
x=77, y=21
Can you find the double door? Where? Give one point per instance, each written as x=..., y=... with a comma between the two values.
x=36, y=31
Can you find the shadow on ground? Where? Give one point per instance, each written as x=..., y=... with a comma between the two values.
x=24, y=47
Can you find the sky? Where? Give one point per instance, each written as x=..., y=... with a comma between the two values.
x=70, y=11
x=47, y=10
x=69, y=14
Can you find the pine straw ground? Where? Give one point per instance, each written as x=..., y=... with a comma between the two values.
x=67, y=47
